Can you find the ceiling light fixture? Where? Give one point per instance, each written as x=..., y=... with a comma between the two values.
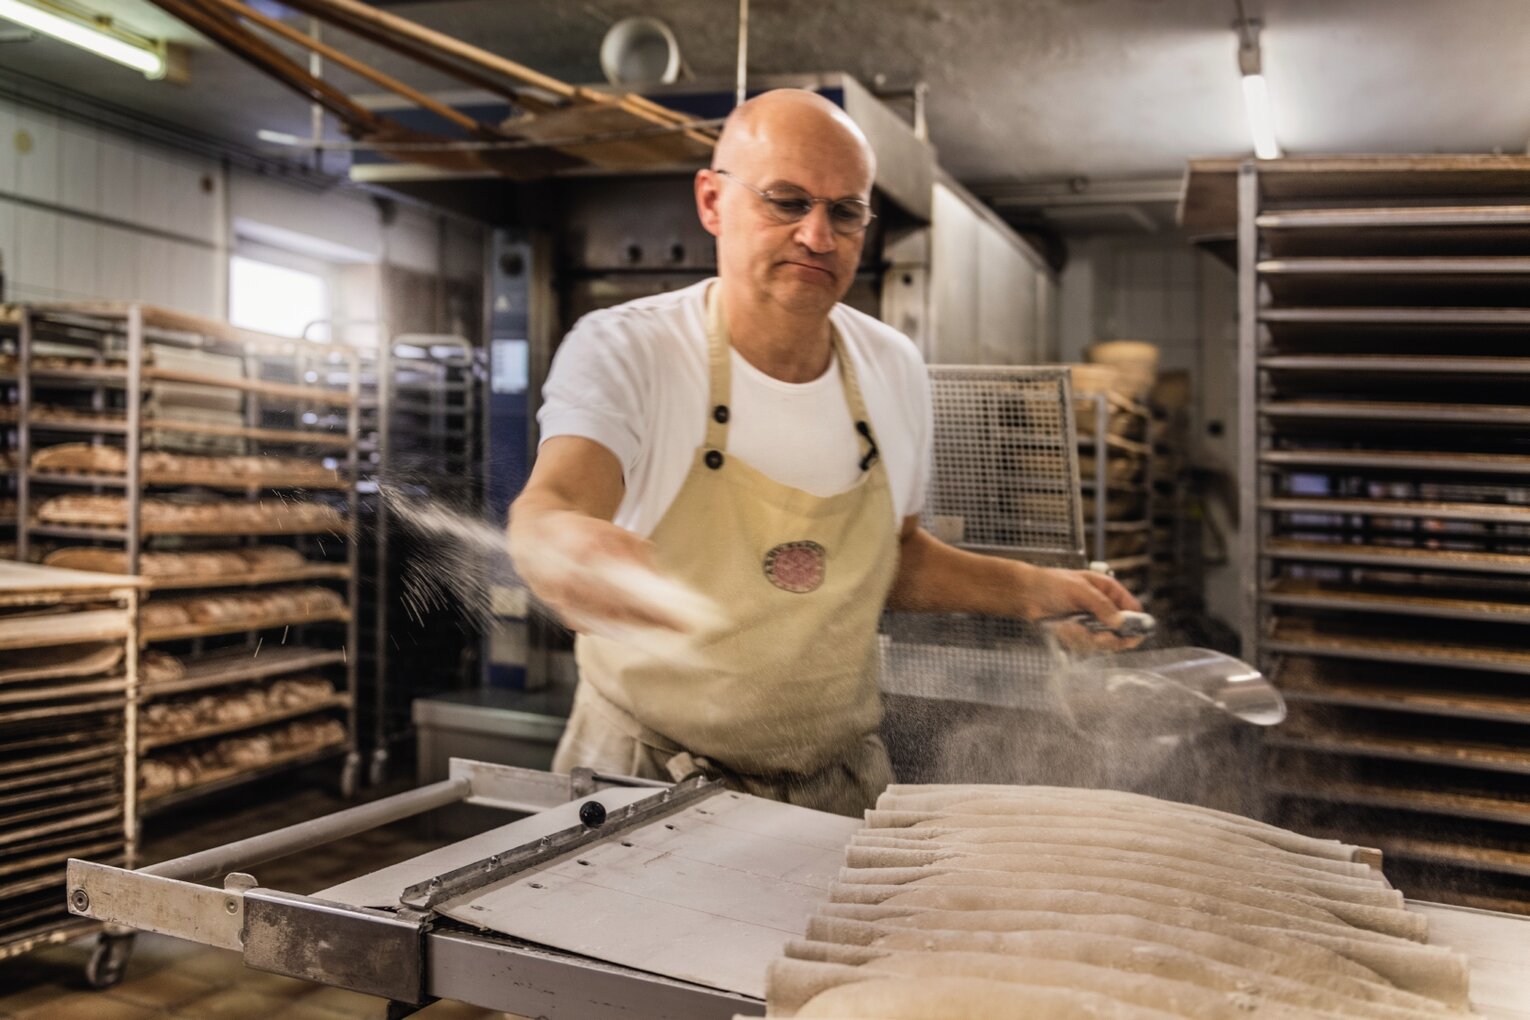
x=1256, y=92
x=90, y=32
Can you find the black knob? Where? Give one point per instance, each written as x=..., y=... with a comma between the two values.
x=720, y=414
x=592, y=813
x=714, y=459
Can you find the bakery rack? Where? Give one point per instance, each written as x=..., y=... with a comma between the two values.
x=218, y=464
x=1385, y=393
x=1176, y=571
x=67, y=755
x=9, y=318
x=420, y=410
x=1116, y=461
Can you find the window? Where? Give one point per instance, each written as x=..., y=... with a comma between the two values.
x=277, y=299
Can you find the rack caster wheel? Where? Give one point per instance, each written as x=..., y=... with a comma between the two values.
x=377, y=772
x=109, y=960
x=350, y=776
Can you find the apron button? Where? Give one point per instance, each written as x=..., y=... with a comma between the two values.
x=714, y=459
x=720, y=414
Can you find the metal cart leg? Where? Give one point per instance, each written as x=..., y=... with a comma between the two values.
x=109, y=960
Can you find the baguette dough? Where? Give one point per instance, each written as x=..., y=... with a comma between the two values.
x=1105, y=901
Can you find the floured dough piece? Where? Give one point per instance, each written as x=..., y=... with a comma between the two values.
x=1055, y=812
x=1223, y=899
x=1187, y=879
x=156, y=667
x=1000, y=841
x=61, y=661
x=106, y=561
x=264, y=558
x=156, y=614
x=948, y=998
x=1144, y=947
x=86, y=457
x=997, y=799
x=1427, y=970
x=792, y=983
x=1020, y=857
x=1186, y=829
x=1114, y=896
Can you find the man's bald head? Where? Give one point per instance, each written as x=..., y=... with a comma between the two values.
x=796, y=124
x=785, y=143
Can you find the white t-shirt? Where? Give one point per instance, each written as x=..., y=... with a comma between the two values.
x=634, y=379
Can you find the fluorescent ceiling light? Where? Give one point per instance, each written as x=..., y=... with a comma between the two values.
x=1256, y=94
x=99, y=37
x=1261, y=118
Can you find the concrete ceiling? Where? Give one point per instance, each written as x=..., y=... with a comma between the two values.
x=1020, y=90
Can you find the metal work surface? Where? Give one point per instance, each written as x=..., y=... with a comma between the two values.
x=707, y=894
x=383, y=888
x=1498, y=947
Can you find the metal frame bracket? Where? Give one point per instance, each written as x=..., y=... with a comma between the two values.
x=364, y=950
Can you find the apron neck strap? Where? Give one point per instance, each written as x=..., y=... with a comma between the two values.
x=720, y=366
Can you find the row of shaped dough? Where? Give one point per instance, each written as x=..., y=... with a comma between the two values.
x=210, y=563
x=93, y=458
x=235, y=515
x=235, y=706
x=1038, y=902
x=184, y=767
x=255, y=607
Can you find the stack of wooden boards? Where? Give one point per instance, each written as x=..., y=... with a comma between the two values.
x=1000, y=902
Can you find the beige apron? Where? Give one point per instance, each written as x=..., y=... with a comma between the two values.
x=783, y=701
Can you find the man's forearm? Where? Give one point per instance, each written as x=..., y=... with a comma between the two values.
x=934, y=577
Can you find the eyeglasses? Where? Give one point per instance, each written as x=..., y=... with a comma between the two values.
x=791, y=205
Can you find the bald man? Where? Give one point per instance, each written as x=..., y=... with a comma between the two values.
x=754, y=439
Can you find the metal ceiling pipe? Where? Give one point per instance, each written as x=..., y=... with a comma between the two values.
x=743, y=50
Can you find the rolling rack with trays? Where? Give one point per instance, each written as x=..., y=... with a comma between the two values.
x=232, y=495
x=67, y=754
x=9, y=419
x=420, y=409
x=1116, y=473
x=1385, y=387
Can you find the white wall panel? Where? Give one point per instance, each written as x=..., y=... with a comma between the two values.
x=78, y=241
x=9, y=251
x=117, y=264
x=153, y=184
x=336, y=216
x=953, y=281
x=193, y=210
x=35, y=264
x=79, y=158
x=155, y=273
x=193, y=283
x=89, y=172
x=413, y=241
x=7, y=148
x=116, y=178
x=37, y=169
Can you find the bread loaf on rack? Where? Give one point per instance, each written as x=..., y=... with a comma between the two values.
x=156, y=614
x=88, y=458
x=156, y=667
x=168, y=516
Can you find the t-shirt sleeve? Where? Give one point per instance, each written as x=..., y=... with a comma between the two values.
x=597, y=389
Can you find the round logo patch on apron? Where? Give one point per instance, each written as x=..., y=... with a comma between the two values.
x=796, y=566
